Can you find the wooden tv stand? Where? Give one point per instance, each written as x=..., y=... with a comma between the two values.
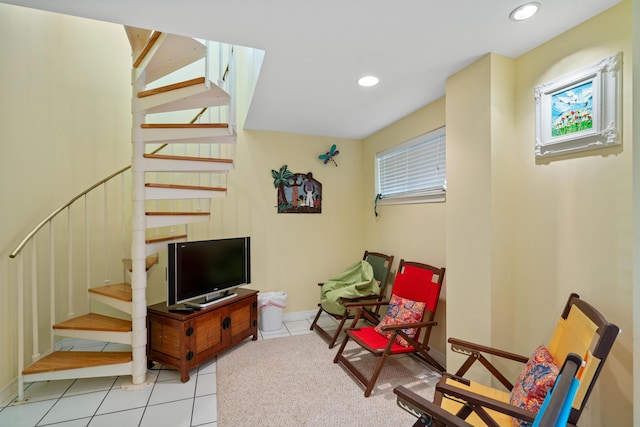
x=185, y=340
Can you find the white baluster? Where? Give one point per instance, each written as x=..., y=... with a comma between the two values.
x=70, y=312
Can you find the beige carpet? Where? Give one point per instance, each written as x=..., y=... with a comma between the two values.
x=293, y=381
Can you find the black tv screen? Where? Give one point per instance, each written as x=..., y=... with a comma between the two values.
x=207, y=269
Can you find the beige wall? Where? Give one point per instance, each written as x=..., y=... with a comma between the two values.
x=64, y=124
x=520, y=234
x=574, y=212
x=290, y=252
x=480, y=221
x=415, y=232
x=566, y=221
x=636, y=208
x=503, y=186
x=469, y=203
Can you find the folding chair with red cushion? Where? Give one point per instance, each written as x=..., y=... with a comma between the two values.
x=406, y=327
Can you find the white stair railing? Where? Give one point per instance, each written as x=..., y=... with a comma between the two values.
x=34, y=302
x=41, y=274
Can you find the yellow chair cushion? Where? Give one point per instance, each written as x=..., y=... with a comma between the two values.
x=453, y=407
x=572, y=335
x=586, y=377
x=575, y=334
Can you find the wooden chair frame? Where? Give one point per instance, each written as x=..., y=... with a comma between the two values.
x=604, y=338
x=420, y=345
x=332, y=338
x=431, y=414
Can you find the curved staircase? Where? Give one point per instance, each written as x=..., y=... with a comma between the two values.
x=163, y=185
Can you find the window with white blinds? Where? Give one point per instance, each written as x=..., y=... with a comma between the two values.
x=414, y=171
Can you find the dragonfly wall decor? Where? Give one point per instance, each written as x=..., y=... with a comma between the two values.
x=329, y=155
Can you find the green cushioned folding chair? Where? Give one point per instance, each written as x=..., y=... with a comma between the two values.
x=381, y=265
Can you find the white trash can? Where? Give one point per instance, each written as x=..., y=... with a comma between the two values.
x=271, y=305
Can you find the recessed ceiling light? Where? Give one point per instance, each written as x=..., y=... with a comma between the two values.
x=368, y=81
x=525, y=11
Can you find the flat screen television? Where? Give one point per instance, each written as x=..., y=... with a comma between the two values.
x=201, y=273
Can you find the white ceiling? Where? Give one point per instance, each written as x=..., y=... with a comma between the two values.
x=316, y=52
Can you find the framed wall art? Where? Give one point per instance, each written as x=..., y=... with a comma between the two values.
x=297, y=192
x=580, y=111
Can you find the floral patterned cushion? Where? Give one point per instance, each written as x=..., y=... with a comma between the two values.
x=401, y=310
x=534, y=383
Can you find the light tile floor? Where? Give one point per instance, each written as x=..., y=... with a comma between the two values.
x=101, y=402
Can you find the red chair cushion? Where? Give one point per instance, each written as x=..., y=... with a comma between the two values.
x=371, y=338
x=417, y=284
x=401, y=310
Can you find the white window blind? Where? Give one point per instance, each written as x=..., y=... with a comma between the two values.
x=414, y=171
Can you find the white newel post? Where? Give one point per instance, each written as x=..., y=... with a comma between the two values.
x=138, y=251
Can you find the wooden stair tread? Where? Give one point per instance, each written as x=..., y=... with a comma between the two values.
x=196, y=159
x=120, y=291
x=176, y=213
x=184, y=125
x=95, y=322
x=165, y=238
x=169, y=88
x=65, y=360
x=150, y=261
x=184, y=187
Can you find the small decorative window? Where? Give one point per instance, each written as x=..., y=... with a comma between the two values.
x=414, y=171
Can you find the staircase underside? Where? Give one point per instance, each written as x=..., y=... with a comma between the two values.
x=149, y=262
x=156, y=244
x=119, y=291
x=117, y=295
x=187, y=95
x=166, y=53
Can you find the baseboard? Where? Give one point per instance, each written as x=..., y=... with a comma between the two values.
x=438, y=357
x=299, y=315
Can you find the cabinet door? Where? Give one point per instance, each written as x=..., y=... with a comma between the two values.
x=208, y=336
x=165, y=338
x=242, y=320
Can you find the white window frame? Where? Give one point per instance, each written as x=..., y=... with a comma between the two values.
x=427, y=152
